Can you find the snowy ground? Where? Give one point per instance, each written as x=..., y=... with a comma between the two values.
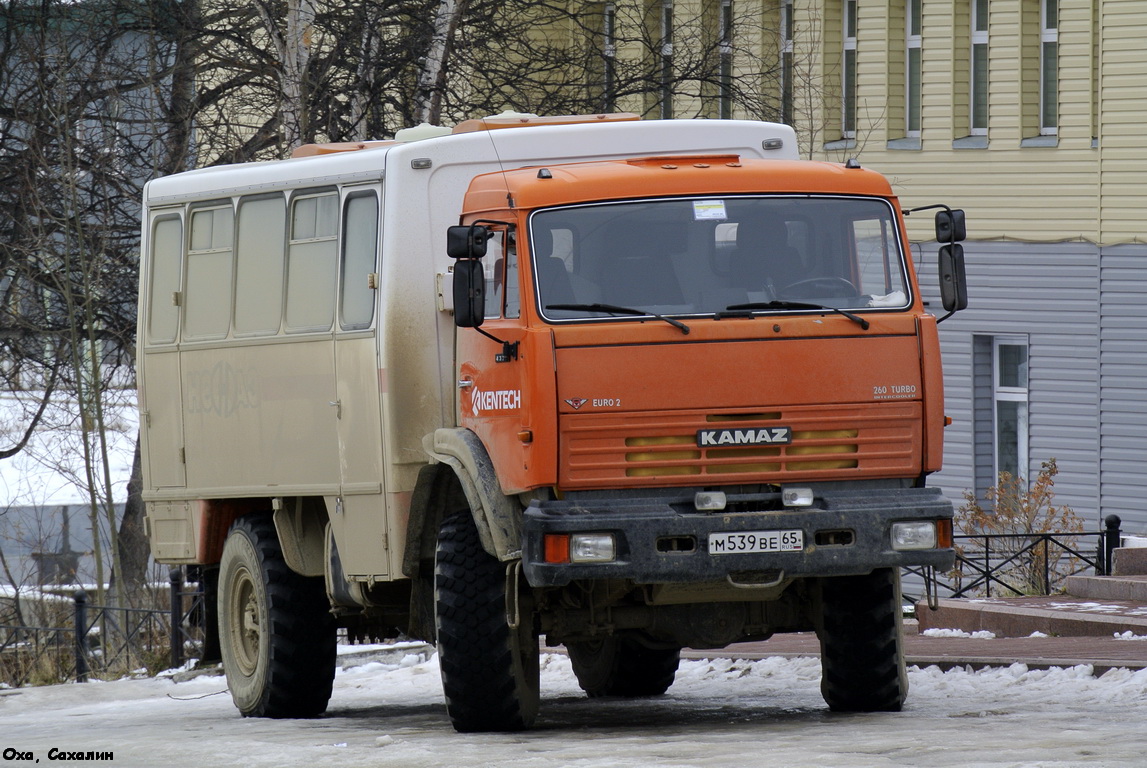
x=719, y=713
x=50, y=470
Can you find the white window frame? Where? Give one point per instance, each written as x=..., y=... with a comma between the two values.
x=848, y=73
x=1010, y=394
x=666, y=60
x=978, y=81
x=725, y=51
x=913, y=41
x=787, y=89
x=1048, y=87
x=609, y=54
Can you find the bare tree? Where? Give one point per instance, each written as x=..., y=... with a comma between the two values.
x=82, y=128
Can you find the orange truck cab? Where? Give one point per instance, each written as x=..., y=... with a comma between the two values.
x=716, y=382
x=721, y=367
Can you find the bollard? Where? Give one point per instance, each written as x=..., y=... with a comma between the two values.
x=1111, y=540
x=81, y=636
x=176, y=617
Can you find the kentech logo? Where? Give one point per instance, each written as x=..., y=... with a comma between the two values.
x=707, y=438
x=498, y=400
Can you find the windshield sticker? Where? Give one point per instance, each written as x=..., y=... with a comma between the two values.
x=709, y=210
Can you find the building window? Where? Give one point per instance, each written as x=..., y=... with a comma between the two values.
x=1049, y=68
x=914, y=55
x=1010, y=399
x=787, y=61
x=725, y=50
x=979, y=70
x=609, y=57
x=666, y=52
x=848, y=71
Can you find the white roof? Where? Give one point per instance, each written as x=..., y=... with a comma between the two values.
x=512, y=147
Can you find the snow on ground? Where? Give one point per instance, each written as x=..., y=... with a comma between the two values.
x=719, y=713
x=980, y=634
x=49, y=471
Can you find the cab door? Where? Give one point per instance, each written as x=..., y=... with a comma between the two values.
x=494, y=396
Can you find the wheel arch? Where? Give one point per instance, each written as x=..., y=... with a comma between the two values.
x=498, y=516
x=216, y=519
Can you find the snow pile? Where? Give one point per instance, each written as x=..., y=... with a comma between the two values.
x=980, y=634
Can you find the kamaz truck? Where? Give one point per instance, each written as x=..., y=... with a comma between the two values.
x=617, y=385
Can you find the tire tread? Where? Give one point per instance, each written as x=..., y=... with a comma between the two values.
x=861, y=647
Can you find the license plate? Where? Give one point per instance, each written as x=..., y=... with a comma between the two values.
x=744, y=542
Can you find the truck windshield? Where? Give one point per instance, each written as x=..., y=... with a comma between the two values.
x=717, y=255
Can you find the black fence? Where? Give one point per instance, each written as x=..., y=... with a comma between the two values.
x=1022, y=564
x=105, y=641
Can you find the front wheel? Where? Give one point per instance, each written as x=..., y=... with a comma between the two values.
x=619, y=666
x=862, y=654
x=490, y=670
x=276, y=634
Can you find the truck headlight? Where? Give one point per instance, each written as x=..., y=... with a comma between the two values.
x=579, y=548
x=918, y=534
x=592, y=548
x=797, y=497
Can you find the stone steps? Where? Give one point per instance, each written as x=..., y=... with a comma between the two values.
x=1061, y=616
x=1130, y=588
x=1095, y=606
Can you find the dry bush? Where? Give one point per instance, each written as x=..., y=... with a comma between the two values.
x=1018, y=513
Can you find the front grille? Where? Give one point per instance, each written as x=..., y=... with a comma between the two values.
x=660, y=448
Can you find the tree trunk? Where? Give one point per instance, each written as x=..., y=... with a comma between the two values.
x=432, y=78
x=133, y=544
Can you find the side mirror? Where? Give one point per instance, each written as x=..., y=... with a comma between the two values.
x=467, y=242
x=953, y=281
x=950, y=226
x=469, y=292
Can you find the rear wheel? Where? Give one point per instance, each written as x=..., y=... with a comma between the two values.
x=277, y=636
x=862, y=656
x=619, y=666
x=489, y=669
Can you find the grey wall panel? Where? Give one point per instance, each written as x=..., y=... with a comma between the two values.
x=1048, y=294
x=1123, y=384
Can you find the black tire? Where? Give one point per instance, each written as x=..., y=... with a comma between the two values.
x=862, y=652
x=277, y=636
x=490, y=672
x=620, y=666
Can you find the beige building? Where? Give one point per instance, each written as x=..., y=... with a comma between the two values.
x=1029, y=115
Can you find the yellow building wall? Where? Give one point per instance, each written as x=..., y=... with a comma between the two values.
x=1012, y=188
x=1086, y=183
x=1121, y=119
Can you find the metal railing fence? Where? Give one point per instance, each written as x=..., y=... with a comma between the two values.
x=105, y=641
x=1023, y=564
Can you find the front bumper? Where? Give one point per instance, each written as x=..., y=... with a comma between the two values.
x=654, y=535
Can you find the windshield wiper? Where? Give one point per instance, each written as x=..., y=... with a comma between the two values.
x=621, y=311
x=799, y=305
